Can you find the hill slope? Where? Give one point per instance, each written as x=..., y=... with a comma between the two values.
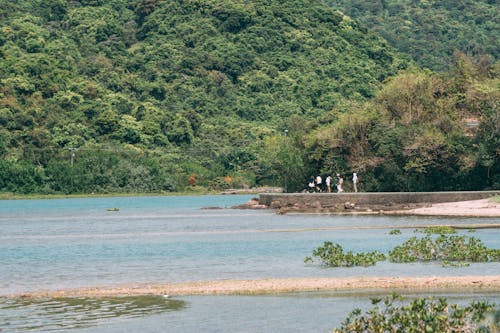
x=138, y=95
x=431, y=31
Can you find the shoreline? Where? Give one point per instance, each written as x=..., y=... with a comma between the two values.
x=483, y=208
x=352, y=285
x=471, y=208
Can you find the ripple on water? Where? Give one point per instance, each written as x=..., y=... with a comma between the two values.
x=50, y=314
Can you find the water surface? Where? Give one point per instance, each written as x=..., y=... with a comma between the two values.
x=85, y=242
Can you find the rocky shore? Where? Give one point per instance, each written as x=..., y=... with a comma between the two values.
x=470, y=208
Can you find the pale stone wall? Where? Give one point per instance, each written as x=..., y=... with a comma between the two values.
x=277, y=200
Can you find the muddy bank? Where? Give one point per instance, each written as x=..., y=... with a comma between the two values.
x=274, y=286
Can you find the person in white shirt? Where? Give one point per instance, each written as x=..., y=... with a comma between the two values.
x=319, y=182
x=355, y=181
x=340, y=181
x=328, y=183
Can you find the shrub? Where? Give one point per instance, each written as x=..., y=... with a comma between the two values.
x=421, y=315
x=440, y=229
x=444, y=248
x=333, y=255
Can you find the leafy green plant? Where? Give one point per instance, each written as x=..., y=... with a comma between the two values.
x=444, y=248
x=333, y=255
x=395, y=232
x=422, y=315
x=440, y=229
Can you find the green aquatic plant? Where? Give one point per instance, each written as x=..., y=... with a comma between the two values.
x=444, y=248
x=450, y=250
x=422, y=315
x=333, y=255
x=395, y=232
x=439, y=229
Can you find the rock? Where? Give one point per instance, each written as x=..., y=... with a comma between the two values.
x=349, y=205
x=251, y=204
x=275, y=204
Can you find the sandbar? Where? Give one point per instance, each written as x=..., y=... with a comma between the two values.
x=288, y=285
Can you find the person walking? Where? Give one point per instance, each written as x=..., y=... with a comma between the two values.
x=328, y=183
x=311, y=185
x=355, y=181
x=340, y=181
x=319, y=183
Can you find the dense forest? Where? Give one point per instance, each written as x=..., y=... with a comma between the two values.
x=151, y=96
x=430, y=31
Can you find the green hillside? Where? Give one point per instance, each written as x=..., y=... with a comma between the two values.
x=151, y=96
x=150, y=92
x=431, y=30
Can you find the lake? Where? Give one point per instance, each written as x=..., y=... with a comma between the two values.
x=69, y=243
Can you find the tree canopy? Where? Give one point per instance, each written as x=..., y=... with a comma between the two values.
x=432, y=30
x=152, y=95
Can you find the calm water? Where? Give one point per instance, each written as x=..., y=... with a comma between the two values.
x=67, y=243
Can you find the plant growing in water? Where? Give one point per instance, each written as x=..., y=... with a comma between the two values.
x=333, y=255
x=439, y=229
x=444, y=248
x=451, y=250
x=395, y=232
x=421, y=315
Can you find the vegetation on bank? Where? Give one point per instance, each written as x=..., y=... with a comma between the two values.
x=164, y=96
x=393, y=314
x=446, y=249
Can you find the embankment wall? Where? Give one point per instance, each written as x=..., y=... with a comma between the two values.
x=277, y=200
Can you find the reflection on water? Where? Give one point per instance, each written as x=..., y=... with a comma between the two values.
x=26, y=314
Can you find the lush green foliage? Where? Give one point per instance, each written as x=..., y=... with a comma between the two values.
x=416, y=134
x=194, y=87
x=152, y=96
x=431, y=31
x=422, y=315
x=333, y=255
x=444, y=248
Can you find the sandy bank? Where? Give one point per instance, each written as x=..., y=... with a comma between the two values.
x=266, y=286
x=473, y=208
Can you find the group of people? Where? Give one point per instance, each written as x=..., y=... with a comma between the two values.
x=316, y=183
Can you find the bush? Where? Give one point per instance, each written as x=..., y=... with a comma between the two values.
x=333, y=255
x=444, y=248
x=422, y=315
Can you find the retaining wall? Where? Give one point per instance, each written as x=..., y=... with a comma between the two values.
x=277, y=200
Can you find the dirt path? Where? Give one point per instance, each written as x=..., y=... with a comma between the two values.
x=266, y=286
